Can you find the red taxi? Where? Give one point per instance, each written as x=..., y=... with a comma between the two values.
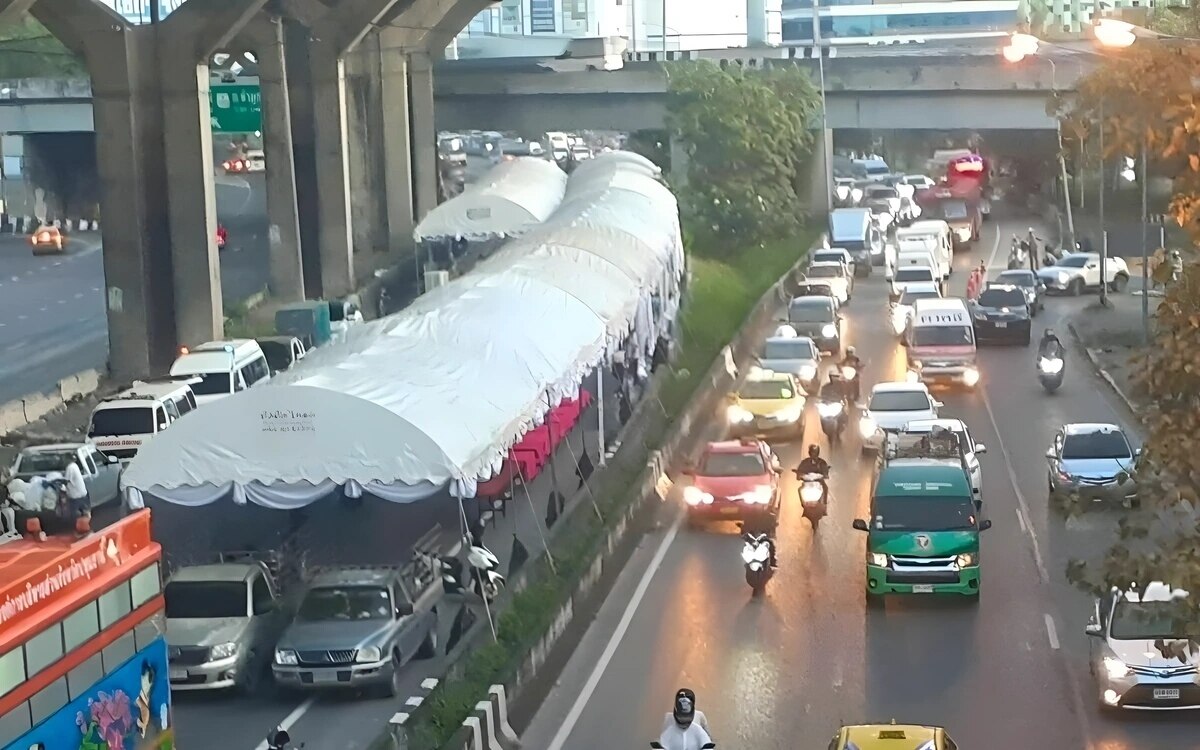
x=48, y=239
x=734, y=480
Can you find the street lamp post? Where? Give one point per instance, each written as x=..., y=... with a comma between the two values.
x=826, y=157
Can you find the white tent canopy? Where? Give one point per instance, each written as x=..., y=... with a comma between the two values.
x=510, y=199
x=438, y=392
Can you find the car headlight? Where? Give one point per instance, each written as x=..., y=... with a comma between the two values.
x=760, y=495
x=1116, y=668
x=369, y=654
x=867, y=427
x=738, y=415
x=829, y=409
x=286, y=657
x=696, y=496
x=808, y=372
x=913, y=376
x=222, y=651
x=877, y=559
x=970, y=376
x=790, y=414
x=966, y=560
x=829, y=331
x=1063, y=277
x=842, y=192
x=856, y=194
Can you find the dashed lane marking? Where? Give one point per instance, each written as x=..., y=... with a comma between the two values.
x=1051, y=631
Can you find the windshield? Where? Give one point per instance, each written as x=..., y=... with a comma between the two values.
x=1144, y=621
x=346, y=603
x=825, y=272
x=810, y=313
x=278, y=354
x=129, y=420
x=206, y=600
x=1002, y=298
x=828, y=257
x=914, y=274
x=882, y=193
x=909, y=513
x=789, y=350
x=943, y=336
x=954, y=209
x=733, y=465
x=753, y=389
x=899, y=401
x=1073, y=261
x=212, y=384
x=44, y=462
x=1096, y=445
x=1017, y=278
x=908, y=298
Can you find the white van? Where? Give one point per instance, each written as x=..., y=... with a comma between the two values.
x=932, y=235
x=222, y=368
x=941, y=342
x=121, y=424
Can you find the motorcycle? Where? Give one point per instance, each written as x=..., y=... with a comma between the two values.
x=850, y=378
x=1050, y=372
x=705, y=746
x=756, y=554
x=814, y=496
x=1016, y=256
x=833, y=418
x=486, y=580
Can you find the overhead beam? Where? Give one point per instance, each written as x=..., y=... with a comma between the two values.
x=343, y=26
x=209, y=26
x=12, y=10
x=452, y=21
x=75, y=22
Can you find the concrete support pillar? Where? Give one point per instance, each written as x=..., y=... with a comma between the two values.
x=820, y=171
x=265, y=37
x=398, y=145
x=333, y=169
x=424, y=134
x=304, y=152
x=366, y=135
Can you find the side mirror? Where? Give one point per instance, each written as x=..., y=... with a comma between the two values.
x=1094, y=629
x=1137, y=453
x=978, y=503
x=938, y=404
x=656, y=745
x=860, y=525
x=404, y=609
x=775, y=465
x=708, y=746
x=1051, y=455
x=985, y=524
x=980, y=448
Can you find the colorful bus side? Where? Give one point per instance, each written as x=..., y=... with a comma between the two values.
x=83, y=659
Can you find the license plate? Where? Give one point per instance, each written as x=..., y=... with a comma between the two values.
x=1166, y=694
x=179, y=674
x=923, y=588
x=1001, y=324
x=325, y=676
x=729, y=511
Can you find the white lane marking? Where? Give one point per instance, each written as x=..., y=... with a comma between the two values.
x=57, y=263
x=41, y=309
x=1021, y=521
x=1012, y=478
x=62, y=302
x=1051, y=631
x=995, y=249
x=291, y=719
x=572, y=718
x=21, y=317
x=79, y=295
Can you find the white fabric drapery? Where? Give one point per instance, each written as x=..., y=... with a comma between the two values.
x=510, y=199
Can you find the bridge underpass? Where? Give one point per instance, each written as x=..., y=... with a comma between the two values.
x=150, y=88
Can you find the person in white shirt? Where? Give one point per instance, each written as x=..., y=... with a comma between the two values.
x=686, y=727
x=77, y=491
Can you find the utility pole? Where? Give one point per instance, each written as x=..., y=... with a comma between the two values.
x=826, y=157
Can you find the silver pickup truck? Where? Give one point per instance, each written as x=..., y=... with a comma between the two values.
x=101, y=473
x=356, y=628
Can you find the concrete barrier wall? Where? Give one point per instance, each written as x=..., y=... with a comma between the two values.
x=18, y=413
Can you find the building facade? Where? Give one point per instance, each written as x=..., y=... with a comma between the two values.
x=866, y=22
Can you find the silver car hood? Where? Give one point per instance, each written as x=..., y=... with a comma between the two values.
x=1095, y=468
x=1145, y=654
x=333, y=634
x=204, y=631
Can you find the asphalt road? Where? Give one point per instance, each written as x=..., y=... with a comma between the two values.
x=787, y=670
x=52, y=319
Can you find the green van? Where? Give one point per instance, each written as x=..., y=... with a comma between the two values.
x=923, y=536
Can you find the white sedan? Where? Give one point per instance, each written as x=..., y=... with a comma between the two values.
x=891, y=407
x=836, y=275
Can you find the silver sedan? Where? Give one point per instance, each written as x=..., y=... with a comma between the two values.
x=1094, y=461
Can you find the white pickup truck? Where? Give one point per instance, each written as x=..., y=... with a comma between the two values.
x=101, y=473
x=1076, y=272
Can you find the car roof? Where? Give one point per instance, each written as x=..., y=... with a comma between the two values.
x=1004, y=287
x=1156, y=591
x=787, y=339
x=895, y=386
x=866, y=736
x=52, y=447
x=923, y=286
x=217, y=572
x=354, y=577
x=954, y=304
x=1022, y=272
x=923, y=471
x=825, y=264
x=812, y=300
x=733, y=446
x=1088, y=428
x=928, y=425
x=1077, y=254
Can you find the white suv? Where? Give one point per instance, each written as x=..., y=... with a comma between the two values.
x=1075, y=272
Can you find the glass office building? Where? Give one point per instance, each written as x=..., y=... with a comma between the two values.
x=847, y=22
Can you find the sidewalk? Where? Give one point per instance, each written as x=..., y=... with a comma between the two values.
x=1112, y=337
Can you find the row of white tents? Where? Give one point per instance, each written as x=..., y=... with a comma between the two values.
x=436, y=394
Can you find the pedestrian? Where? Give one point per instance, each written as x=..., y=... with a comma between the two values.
x=974, y=282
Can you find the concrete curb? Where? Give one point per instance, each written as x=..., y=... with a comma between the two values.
x=19, y=413
x=487, y=726
x=398, y=721
x=1103, y=373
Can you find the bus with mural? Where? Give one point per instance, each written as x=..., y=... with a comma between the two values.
x=83, y=658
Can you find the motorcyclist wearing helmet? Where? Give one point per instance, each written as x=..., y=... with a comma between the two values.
x=851, y=359
x=686, y=727
x=813, y=464
x=1050, y=347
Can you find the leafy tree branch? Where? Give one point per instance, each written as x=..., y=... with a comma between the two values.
x=29, y=50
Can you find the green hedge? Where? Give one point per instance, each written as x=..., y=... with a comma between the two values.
x=721, y=295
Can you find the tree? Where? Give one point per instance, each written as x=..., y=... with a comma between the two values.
x=29, y=50
x=747, y=138
x=1147, y=98
x=1181, y=22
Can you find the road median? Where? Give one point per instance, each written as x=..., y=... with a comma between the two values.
x=728, y=305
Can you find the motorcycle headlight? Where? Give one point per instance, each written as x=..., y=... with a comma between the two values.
x=369, y=654
x=1050, y=366
x=738, y=415
x=286, y=657
x=752, y=553
x=810, y=492
x=829, y=331
x=829, y=408
x=696, y=496
x=867, y=427
x=222, y=651
x=848, y=373
x=966, y=560
x=970, y=376
x=1115, y=667
x=808, y=372
x=877, y=559
x=790, y=414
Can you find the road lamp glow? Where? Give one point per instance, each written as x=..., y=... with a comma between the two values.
x=1026, y=44
x=1116, y=34
x=1014, y=54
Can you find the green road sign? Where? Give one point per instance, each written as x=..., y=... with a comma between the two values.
x=235, y=108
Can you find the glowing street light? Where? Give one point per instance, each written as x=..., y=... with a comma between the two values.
x=1013, y=54
x=1027, y=43
x=1115, y=34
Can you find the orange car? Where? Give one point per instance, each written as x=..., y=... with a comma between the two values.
x=48, y=239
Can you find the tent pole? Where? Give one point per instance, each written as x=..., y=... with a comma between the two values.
x=469, y=571
x=553, y=446
x=600, y=413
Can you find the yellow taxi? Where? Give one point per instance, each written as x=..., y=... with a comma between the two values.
x=767, y=404
x=892, y=737
x=48, y=239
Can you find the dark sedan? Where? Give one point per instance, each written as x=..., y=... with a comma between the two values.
x=1001, y=313
x=1027, y=282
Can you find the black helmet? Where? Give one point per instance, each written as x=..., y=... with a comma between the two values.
x=1049, y=333
x=685, y=707
x=814, y=451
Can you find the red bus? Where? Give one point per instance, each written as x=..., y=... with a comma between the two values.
x=83, y=660
x=959, y=204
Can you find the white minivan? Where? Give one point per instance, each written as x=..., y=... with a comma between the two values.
x=941, y=343
x=222, y=368
x=932, y=235
x=121, y=424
